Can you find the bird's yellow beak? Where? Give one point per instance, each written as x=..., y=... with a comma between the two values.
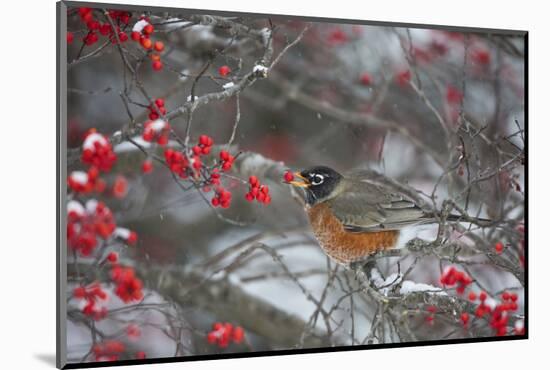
x=301, y=184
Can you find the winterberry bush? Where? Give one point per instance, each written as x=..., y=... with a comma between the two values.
x=183, y=237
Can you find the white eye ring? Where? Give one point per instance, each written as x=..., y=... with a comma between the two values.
x=317, y=179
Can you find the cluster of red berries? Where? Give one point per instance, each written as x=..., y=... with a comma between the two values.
x=214, y=179
x=109, y=350
x=177, y=162
x=223, y=334
x=86, y=182
x=86, y=224
x=226, y=160
x=156, y=131
x=156, y=108
x=451, y=277
x=91, y=294
x=499, y=312
x=222, y=198
x=204, y=146
x=141, y=32
x=128, y=286
x=180, y=164
x=257, y=191
x=97, y=151
x=105, y=29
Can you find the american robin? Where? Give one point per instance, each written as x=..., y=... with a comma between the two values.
x=357, y=215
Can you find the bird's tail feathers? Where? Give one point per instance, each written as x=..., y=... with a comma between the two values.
x=460, y=218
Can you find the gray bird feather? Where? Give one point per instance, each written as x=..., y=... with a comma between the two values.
x=366, y=205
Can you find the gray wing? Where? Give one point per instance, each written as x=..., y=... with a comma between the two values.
x=370, y=206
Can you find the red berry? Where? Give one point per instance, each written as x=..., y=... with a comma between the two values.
x=224, y=71
x=499, y=247
x=159, y=46
x=253, y=180
x=204, y=140
x=147, y=166
x=159, y=102
x=454, y=96
x=481, y=56
x=112, y=257
x=120, y=187
x=224, y=155
x=366, y=79
x=146, y=43
x=337, y=36
x=132, y=238
x=79, y=292
x=91, y=38
x=403, y=78
x=238, y=334
x=465, y=318
x=122, y=36
x=70, y=37
x=157, y=65
x=93, y=25
x=472, y=296
x=147, y=30
x=135, y=36
x=482, y=296
x=105, y=29
x=289, y=176
x=211, y=337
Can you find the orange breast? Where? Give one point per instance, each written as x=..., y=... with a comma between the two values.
x=344, y=246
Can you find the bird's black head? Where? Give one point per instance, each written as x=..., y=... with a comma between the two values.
x=319, y=183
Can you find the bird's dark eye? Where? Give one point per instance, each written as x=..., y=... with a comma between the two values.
x=317, y=179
